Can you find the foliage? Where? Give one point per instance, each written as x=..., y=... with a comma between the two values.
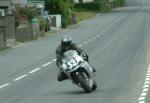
x=60, y=7
x=90, y=6
x=42, y=23
x=119, y=3
x=24, y=14
x=104, y=6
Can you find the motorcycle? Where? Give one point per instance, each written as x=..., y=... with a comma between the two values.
x=78, y=70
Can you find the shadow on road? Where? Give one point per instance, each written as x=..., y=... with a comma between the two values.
x=74, y=92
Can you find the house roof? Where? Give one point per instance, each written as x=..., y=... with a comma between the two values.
x=4, y=3
x=19, y=1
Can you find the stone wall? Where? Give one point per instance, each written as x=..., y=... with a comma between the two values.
x=2, y=33
x=24, y=32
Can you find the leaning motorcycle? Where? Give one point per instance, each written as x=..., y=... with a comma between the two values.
x=78, y=70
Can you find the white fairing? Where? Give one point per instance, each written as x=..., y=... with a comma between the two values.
x=71, y=61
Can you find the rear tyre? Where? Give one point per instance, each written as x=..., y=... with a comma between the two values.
x=84, y=84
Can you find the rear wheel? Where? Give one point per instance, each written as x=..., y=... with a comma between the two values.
x=84, y=84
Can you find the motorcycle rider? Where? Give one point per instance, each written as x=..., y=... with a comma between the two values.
x=66, y=44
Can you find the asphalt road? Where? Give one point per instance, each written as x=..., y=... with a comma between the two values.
x=118, y=45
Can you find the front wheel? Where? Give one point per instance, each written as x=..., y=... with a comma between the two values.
x=84, y=84
x=94, y=86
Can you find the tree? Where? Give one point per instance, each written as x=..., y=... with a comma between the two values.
x=60, y=7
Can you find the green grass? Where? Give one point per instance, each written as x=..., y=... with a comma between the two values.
x=82, y=15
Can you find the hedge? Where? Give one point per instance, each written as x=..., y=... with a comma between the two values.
x=91, y=6
x=119, y=3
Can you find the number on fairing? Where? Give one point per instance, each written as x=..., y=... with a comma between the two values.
x=71, y=64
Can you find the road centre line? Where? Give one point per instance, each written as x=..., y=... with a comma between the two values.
x=54, y=60
x=79, y=45
x=115, y=22
x=46, y=64
x=98, y=35
x=34, y=70
x=4, y=85
x=101, y=33
x=21, y=77
x=85, y=42
x=90, y=40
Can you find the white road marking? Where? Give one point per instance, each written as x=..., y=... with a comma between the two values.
x=85, y=42
x=141, y=98
x=142, y=102
x=148, y=76
x=147, y=79
x=143, y=94
x=97, y=35
x=54, y=60
x=34, y=70
x=148, y=71
x=79, y=45
x=145, y=86
x=145, y=90
x=90, y=40
x=146, y=83
x=18, y=78
x=101, y=33
x=46, y=64
x=4, y=85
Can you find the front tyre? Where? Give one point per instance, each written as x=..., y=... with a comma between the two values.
x=84, y=84
x=94, y=86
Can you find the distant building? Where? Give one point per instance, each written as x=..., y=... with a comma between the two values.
x=19, y=2
x=4, y=7
x=82, y=1
x=39, y=4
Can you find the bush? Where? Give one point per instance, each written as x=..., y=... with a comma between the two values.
x=24, y=14
x=42, y=23
x=90, y=6
x=119, y=3
x=60, y=7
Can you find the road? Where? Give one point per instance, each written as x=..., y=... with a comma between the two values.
x=118, y=45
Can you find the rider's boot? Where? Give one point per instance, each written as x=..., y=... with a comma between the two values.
x=62, y=76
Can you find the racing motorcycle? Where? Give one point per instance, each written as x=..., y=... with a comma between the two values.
x=78, y=70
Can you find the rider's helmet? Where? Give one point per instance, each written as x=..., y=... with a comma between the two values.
x=66, y=42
